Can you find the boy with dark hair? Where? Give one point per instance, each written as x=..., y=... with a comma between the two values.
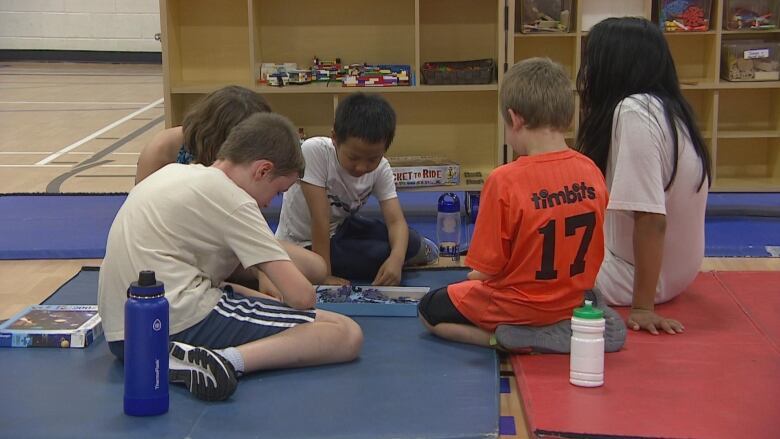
x=538, y=241
x=341, y=173
x=193, y=225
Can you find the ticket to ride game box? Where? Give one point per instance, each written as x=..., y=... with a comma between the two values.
x=416, y=171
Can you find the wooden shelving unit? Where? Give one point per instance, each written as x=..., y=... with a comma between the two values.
x=739, y=120
x=207, y=45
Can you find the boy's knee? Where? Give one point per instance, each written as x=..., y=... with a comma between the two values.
x=421, y=315
x=352, y=337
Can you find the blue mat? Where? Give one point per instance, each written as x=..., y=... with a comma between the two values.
x=63, y=226
x=742, y=224
x=405, y=384
x=76, y=226
x=56, y=226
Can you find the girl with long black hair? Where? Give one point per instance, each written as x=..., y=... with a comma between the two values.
x=640, y=131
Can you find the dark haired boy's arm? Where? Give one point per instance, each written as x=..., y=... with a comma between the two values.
x=319, y=210
x=398, y=233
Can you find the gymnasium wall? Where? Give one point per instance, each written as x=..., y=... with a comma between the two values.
x=82, y=25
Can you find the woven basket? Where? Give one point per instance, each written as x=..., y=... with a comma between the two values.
x=480, y=71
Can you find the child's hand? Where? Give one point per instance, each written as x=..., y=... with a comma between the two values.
x=651, y=322
x=335, y=280
x=389, y=273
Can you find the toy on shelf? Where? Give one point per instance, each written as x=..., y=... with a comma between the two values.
x=684, y=15
x=751, y=60
x=544, y=16
x=275, y=74
x=751, y=14
x=327, y=70
x=299, y=76
x=382, y=75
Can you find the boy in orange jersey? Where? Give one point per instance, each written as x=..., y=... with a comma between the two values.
x=538, y=242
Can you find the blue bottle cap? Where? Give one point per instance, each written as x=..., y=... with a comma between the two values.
x=451, y=205
x=146, y=286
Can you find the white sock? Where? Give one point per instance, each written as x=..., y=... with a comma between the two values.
x=234, y=356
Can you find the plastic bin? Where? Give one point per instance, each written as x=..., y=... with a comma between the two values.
x=684, y=15
x=750, y=14
x=750, y=60
x=481, y=71
x=537, y=16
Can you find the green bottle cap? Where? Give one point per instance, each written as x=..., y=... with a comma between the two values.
x=588, y=312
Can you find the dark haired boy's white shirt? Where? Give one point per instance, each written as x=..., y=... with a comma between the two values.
x=346, y=194
x=192, y=225
x=640, y=164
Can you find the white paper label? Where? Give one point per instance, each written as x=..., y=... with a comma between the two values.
x=757, y=53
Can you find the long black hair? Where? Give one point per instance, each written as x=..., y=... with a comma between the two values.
x=626, y=56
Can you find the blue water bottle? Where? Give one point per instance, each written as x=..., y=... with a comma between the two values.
x=448, y=225
x=146, y=347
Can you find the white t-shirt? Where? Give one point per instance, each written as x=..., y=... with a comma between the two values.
x=640, y=164
x=346, y=193
x=190, y=224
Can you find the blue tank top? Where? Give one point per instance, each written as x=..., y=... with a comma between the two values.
x=185, y=157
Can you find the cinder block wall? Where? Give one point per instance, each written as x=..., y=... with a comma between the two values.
x=102, y=25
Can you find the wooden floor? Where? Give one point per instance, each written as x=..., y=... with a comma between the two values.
x=78, y=128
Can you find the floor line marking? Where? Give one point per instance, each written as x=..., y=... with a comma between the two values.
x=69, y=102
x=52, y=152
x=75, y=145
x=62, y=166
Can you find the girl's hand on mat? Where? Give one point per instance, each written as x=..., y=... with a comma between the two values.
x=389, y=273
x=652, y=322
x=335, y=280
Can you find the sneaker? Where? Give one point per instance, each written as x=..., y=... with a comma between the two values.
x=550, y=339
x=206, y=374
x=428, y=254
x=556, y=338
x=431, y=251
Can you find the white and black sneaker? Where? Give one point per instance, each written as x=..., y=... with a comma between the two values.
x=206, y=374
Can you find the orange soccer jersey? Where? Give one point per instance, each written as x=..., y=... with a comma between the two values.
x=540, y=237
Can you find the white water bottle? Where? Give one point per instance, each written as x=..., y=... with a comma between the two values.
x=587, y=346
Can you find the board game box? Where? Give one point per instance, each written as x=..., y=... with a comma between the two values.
x=61, y=326
x=367, y=300
x=416, y=171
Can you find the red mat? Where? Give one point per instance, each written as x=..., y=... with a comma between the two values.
x=718, y=380
x=759, y=294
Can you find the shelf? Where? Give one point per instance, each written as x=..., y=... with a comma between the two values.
x=748, y=163
x=546, y=35
x=695, y=57
x=726, y=85
x=336, y=88
x=745, y=185
x=747, y=134
x=296, y=31
x=449, y=188
x=452, y=30
x=698, y=84
x=674, y=34
x=561, y=50
x=750, y=32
